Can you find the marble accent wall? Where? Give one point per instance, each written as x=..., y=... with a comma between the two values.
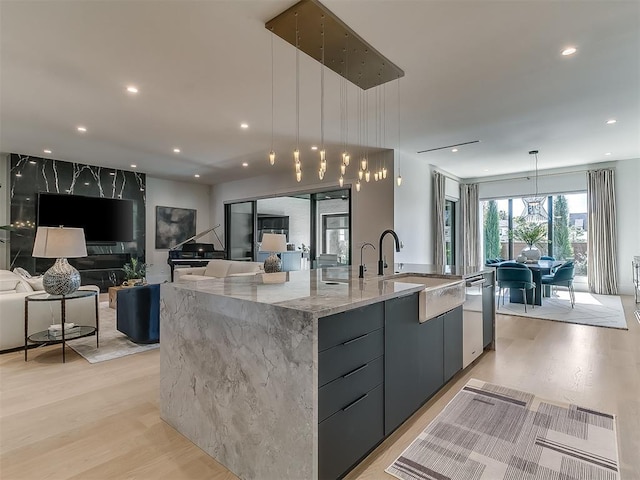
x=31, y=175
x=239, y=379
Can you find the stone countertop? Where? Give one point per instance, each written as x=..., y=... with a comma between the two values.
x=320, y=292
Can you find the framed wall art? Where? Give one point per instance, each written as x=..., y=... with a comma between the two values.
x=174, y=225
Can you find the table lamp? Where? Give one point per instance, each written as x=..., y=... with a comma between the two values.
x=60, y=243
x=273, y=242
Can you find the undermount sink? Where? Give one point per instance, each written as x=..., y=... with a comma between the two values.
x=439, y=295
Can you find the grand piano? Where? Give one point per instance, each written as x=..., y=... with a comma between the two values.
x=192, y=254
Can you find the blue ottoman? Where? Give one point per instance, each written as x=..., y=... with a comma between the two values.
x=138, y=313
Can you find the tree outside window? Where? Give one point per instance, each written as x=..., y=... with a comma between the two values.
x=492, y=247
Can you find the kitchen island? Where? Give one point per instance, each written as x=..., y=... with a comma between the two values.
x=289, y=375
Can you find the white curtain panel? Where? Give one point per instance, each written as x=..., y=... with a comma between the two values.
x=439, y=256
x=469, y=213
x=602, y=239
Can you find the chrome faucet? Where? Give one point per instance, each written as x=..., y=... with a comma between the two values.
x=380, y=261
x=362, y=266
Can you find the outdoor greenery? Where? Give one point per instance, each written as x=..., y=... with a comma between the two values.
x=492, y=245
x=531, y=233
x=135, y=269
x=562, y=248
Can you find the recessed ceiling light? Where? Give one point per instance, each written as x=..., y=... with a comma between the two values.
x=197, y=175
x=46, y=150
x=454, y=150
x=18, y=174
x=314, y=148
x=132, y=89
x=86, y=183
x=244, y=125
x=112, y=173
x=608, y=153
x=486, y=170
x=82, y=129
x=176, y=150
x=245, y=164
x=611, y=121
x=32, y=162
x=569, y=51
x=134, y=166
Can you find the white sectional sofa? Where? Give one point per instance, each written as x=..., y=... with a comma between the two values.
x=217, y=269
x=13, y=289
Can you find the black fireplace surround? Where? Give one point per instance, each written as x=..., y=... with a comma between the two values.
x=32, y=175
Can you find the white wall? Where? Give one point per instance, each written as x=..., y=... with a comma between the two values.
x=167, y=193
x=627, y=182
x=372, y=207
x=413, y=211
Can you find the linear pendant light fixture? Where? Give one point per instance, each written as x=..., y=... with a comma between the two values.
x=272, y=153
x=348, y=55
x=449, y=146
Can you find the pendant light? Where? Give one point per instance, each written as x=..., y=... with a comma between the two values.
x=323, y=158
x=296, y=152
x=358, y=186
x=272, y=153
x=399, y=179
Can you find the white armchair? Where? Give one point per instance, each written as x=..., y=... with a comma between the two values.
x=13, y=290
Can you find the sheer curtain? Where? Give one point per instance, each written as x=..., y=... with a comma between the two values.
x=439, y=256
x=602, y=239
x=469, y=213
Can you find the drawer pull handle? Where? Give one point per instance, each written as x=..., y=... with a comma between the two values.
x=355, y=339
x=355, y=401
x=355, y=371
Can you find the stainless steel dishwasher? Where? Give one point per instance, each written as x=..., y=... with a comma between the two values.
x=472, y=331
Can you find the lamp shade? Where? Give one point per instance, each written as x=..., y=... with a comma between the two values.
x=59, y=242
x=274, y=242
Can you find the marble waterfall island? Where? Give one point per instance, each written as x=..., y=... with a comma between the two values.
x=239, y=364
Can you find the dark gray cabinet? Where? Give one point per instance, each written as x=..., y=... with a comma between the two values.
x=488, y=309
x=452, y=326
x=430, y=338
x=403, y=363
x=350, y=393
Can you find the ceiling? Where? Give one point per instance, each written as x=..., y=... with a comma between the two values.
x=474, y=70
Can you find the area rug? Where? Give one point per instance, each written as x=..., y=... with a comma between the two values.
x=113, y=344
x=589, y=309
x=488, y=432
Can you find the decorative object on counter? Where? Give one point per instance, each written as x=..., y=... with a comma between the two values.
x=273, y=243
x=363, y=267
x=60, y=243
x=134, y=273
x=523, y=440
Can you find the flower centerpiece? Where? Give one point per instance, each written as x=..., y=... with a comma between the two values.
x=534, y=235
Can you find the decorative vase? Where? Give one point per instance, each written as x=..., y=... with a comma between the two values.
x=272, y=264
x=531, y=253
x=61, y=279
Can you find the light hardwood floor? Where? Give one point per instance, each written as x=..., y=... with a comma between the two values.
x=101, y=421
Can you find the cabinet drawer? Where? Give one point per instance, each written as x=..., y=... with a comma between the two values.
x=349, y=387
x=349, y=434
x=346, y=357
x=341, y=327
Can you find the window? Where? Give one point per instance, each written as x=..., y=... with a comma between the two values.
x=561, y=221
x=450, y=231
x=335, y=236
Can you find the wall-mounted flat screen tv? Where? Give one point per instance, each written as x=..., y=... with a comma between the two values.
x=103, y=219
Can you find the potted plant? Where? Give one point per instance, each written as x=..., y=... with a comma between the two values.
x=534, y=235
x=134, y=272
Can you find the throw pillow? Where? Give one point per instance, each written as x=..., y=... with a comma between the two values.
x=36, y=283
x=22, y=272
x=8, y=285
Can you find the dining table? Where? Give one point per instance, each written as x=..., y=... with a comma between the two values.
x=538, y=269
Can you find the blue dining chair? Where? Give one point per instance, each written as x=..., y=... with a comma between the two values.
x=563, y=276
x=547, y=257
x=515, y=275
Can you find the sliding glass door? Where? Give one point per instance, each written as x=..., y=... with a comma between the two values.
x=240, y=230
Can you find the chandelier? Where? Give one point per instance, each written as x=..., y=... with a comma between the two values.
x=313, y=29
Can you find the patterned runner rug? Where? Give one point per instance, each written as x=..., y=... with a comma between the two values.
x=113, y=344
x=488, y=432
